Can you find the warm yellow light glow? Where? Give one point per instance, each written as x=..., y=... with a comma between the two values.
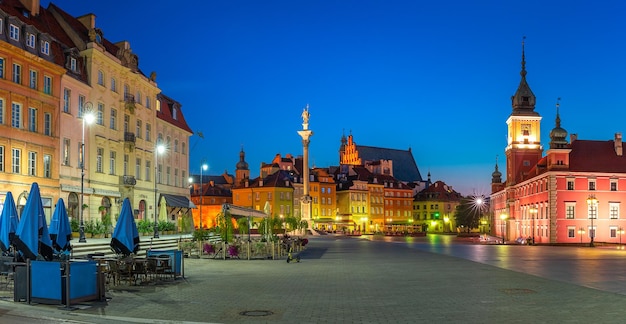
x=433, y=223
x=160, y=148
x=446, y=219
x=503, y=216
x=89, y=117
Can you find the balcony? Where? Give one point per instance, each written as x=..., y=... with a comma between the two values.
x=129, y=102
x=128, y=180
x=129, y=137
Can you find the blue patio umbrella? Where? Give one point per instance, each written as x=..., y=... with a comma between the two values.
x=31, y=236
x=8, y=222
x=125, y=239
x=60, y=229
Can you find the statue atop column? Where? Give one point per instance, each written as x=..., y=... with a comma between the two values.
x=305, y=117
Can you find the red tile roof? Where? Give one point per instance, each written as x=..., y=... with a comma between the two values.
x=596, y=156
x=165, y=114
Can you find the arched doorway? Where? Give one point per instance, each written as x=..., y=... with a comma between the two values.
x=72, y=206
x=105, y=207
x=142, y=210
x=21, y=203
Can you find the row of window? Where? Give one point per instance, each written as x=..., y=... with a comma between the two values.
x=128, y=97
x=614, y=231
x=592, y=210
x=32, y=163
x=591, y=184
x=17, y=116
x=529, y=212
x=31, y=38
x=539, y=186
x=33, y=77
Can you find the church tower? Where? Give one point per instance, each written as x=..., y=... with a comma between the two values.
x=241, y=170
x=523, y=149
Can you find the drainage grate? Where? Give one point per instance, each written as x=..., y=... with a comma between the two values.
x=518, y=291
x=257, y=313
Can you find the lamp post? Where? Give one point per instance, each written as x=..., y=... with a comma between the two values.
x=478, y=202
x=159, y=149
x=88, y=118
x=204, y=167
x=533, y=212
x=503, y=217
x=620, y=231
x=592, y=202
x=581, y=232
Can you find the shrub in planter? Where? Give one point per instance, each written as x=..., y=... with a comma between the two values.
x=75, y=225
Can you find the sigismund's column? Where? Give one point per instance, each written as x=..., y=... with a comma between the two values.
x=305, y=133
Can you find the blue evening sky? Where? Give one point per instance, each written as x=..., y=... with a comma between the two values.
x=433, y=76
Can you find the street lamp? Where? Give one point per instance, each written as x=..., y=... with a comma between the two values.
x=88, y=118
x=533, y=212
x=620, y=231
x=503, y=217
x=581, y=232
x=204, y=167
x=159, y=149
x=592, y=202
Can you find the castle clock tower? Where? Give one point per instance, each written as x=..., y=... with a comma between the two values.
x=523, y=149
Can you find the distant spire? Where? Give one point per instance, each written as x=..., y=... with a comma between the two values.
x=523, y=101
x=558, y=135
x=496, y=176
x=558, y=118
x=523, y=72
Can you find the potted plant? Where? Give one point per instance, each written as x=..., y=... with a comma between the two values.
x=75, y=226
x=145, y=227
x=107, y=224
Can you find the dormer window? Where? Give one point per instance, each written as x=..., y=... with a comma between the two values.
x=73, y=64
x=30, y=40
x=525, y=99
x=175, y=113
x=14, y=32
x=45, y=47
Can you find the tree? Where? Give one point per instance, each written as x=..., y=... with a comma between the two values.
x=469, y=211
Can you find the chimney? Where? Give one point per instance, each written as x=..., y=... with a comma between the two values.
x=32, y=6
x=261, y=182
x=88, y=20
x=618, y=144
x=572, y=138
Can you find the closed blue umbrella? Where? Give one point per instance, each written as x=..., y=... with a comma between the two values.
x=60, y=229
x=125, y=239
x=8, y=222
x=31, y=236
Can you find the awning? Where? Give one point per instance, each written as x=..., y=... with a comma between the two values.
x=243, y=211
x=177, y=201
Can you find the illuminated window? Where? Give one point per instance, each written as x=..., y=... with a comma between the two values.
x=571, y=231
x=592, y=184
x=570, y=210
x=614, y=210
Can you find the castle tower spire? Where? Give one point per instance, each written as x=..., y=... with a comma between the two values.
x=523, y=101
x=558, y=135
x=524, y=131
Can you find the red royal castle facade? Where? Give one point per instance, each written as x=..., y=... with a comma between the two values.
x=573, y=194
